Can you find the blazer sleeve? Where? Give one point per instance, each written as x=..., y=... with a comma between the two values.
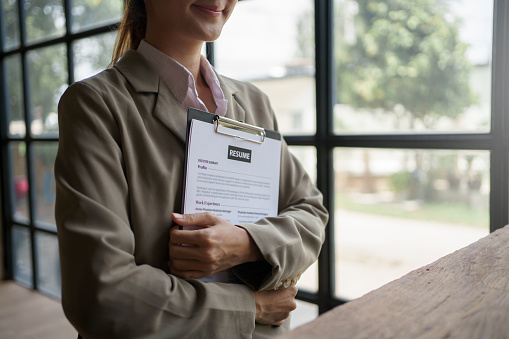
x=105, y=293
x=291, y=241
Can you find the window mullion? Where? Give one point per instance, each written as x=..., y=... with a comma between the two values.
x=70, y=54
x=5, y=173
x=28, y=139
x=324, y=107
x=499, y=172
x=22, y=26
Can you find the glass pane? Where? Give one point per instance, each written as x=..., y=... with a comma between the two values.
x=413, y=66
x=309, y=279
x=11, y=24
x=307, y=157
x=45, y=19
x=22, y=255
x=304, y=313
x=278, y=57
x=397, y=210
x=44, y=159
x=48, y=80
x=15, y=106
x=48, y=264
x=87, y=14
x=92, y=55
x=19, y=187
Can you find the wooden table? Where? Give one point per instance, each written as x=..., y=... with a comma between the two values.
x=462, y=295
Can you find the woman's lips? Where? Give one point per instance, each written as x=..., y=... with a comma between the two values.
x=213, y=12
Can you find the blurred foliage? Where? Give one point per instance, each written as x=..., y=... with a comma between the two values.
x=405, y=57
x=46, y=152
x=10, y=24
x=400, y=181
x=15, y=99
x=48, y=77
x=47, y=67
x=44, y=19
x=91, y=13
x=306, y=34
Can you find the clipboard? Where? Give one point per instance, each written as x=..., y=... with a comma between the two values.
x=231, y=170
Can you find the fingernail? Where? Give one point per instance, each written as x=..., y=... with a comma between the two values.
x=178, y=216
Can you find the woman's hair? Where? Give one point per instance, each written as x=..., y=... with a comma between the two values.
x=131, y=30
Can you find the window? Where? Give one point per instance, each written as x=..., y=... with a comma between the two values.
x=396, y=109
x=389, y=104
x=45, y=46
x=418, y=72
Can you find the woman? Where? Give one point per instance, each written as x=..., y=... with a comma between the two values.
x=119, y=174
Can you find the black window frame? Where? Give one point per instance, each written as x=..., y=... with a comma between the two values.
x=8, y=221
x=324, y=140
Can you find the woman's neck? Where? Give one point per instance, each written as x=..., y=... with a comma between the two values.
x=188, y=54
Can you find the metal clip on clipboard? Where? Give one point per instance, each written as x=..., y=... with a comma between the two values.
x=241, y=126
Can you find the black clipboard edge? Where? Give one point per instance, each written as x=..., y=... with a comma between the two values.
x=198, y=115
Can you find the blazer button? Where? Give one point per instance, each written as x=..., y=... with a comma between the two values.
x=278, y=285
x=294, y=281
x=287, y=283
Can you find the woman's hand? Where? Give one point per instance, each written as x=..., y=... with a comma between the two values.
x=274, y=306
x=214, y=246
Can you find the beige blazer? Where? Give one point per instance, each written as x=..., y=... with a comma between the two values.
x=119, y=174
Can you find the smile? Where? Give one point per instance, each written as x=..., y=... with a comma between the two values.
x=213, y=12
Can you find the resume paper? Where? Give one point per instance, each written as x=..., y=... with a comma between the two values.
x=233, y=178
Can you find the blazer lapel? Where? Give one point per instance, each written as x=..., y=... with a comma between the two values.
x=167, y=109
x=170, y=113
x=146, y=80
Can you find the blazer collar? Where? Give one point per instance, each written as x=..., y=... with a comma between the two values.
x=138, y=72
x=167, y=109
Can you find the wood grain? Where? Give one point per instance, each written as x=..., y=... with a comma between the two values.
x=462, y=295
x=25, y=313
